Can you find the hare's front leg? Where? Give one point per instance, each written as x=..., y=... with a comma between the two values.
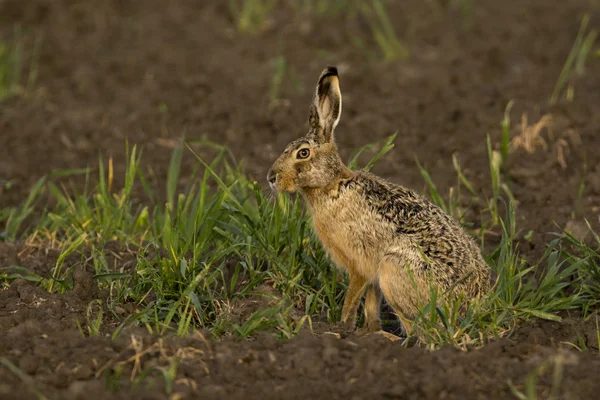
x=356, y=288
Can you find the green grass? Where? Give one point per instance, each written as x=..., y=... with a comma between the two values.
x=326, y=7
x=575, y=63
x=505, y=125
x=15, y=64
x=185, y=245
x=282, y=69
x=565, y=279
x=383, y=31
x=220, y=240
x=466, y=9
x=26, y=379
x=554, y=365
x=250, y=16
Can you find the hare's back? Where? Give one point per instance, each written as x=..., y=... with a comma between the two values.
x=416, y=220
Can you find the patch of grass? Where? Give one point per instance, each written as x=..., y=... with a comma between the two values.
x=93, y=319
x=588, y=275
x=565, y=278
x=556, y=365
x=384, y=147
x=282, y=69
x=26, y=379
x=559, y=281
x=505, y=125
x=383, y=31
x=207, y=246
x=327, y=7
x=383, y=41
x=250, y=16
x=435, y=196
x=495, y=162
x=13, y=65
x=454, y=204
x=220, y=240
x=466, y=9
x=13, y=218
x=575, y=63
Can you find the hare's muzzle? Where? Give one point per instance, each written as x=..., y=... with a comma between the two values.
x=272, y=178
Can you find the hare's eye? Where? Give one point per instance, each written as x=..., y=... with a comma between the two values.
x=303, y=153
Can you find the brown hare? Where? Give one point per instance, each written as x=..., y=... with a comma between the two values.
x=390, y=239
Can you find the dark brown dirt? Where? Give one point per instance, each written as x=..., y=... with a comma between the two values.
x=39, y=339
x=147, y=71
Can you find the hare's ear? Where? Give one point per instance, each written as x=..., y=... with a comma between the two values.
x=326, y=109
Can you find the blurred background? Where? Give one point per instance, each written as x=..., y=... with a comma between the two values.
x=79, y=78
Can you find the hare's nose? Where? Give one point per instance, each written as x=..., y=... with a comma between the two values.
x=271, y=176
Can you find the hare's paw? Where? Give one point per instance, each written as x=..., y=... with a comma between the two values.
x=390, y=336
x=369, y=328
x=342, y=329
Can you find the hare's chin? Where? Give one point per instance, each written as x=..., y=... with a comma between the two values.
x=278, y=188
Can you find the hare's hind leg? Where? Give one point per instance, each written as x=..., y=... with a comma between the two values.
x=399, y=289
x=372, y=310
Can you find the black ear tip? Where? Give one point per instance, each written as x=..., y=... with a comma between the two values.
x=331, y=70
x=328, y=71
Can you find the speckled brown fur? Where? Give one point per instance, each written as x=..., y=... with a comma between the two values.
x=391, y=240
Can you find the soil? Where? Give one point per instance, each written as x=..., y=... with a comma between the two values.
x=58, y=361
x=149, y=72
